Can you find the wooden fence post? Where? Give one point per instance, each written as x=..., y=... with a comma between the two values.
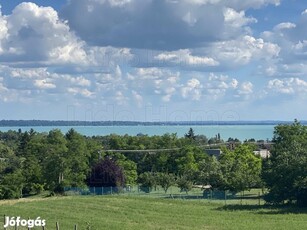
x=57, y=226
x=76, y=227
x=4, y=221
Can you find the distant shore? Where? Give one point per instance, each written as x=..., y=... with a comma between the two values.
x=32, y=123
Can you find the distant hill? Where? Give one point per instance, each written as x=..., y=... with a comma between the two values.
x=22, y=123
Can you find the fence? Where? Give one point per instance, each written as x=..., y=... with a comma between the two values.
x=253, y=196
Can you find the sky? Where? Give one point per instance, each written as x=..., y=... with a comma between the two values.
x=153, y=60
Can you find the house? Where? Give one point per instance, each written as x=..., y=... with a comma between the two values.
x=263, y=153
x=214, y=152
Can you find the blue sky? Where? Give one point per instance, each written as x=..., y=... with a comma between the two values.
x=153, y=60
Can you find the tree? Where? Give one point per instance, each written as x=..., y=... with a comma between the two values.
x=11, y=185
x=211, y=173
x=147, y=181
x=31, y=148
x=55, y=163
x=166, y=180
x=184, y=184
x=106, y=173
x=77, y=161
x=285, y=172
x=187, y=161
x=241, y=169
x=190, y=135
x=11, y=178
x=129, y=167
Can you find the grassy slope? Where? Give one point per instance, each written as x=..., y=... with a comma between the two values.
x=120, y=212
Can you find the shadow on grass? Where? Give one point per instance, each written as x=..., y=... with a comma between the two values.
x=184, y=197
x=266, y=209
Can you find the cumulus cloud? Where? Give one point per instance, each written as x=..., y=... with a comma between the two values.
x=33, y=33
x=80, y=91
x=154, y=81
x=192, y=89
x=40, y=83
x=291, y=38
x=246, y=88
x=37, y=36
x=185, y=58
x=158, y=25
x=237, y=19
x=243, y=50
x=284, y=25
x=288, y=86
x=137, y=53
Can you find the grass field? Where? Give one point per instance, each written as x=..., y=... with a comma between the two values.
x=131, y=212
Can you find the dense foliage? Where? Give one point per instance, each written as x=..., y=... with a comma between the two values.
x=106, y=173
x=285, y=172
x=31, y=162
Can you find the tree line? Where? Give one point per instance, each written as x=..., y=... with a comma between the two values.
x=32, y=162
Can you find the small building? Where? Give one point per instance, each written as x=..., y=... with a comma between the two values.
x=231, y=145
x=263, y=153
x=214, y=152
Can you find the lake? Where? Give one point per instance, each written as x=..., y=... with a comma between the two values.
x=242, y=132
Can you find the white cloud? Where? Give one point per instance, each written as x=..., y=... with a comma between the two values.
x=44, y=84
x=288, y=86
x=113, y=3
x=246, y=88
x=284, y=25
x=243, y=50
x=154, y=81
x=202, y=2
x=185, y=58
x=241, y=5
x=217, y=86
x=33, y=33
x=80, y=91
x=181, y=24
x=237, y=19
x=192, y=89
x=78, y=81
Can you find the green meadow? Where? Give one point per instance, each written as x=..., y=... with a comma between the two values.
x=135, y=212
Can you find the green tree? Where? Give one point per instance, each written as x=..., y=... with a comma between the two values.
x=31, y=148
x=166, y=180
x=187, y=161
x=11, y=178
x=211, y=173
x=190, y=135
x=147, y=181
x=77, y=161
x=11, y=185
x=184, y=184
x=285, y=172
x=55, y=163
x=241, y=169
x=129, y=167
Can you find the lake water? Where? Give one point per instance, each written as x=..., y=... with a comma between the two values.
x=242, y=132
